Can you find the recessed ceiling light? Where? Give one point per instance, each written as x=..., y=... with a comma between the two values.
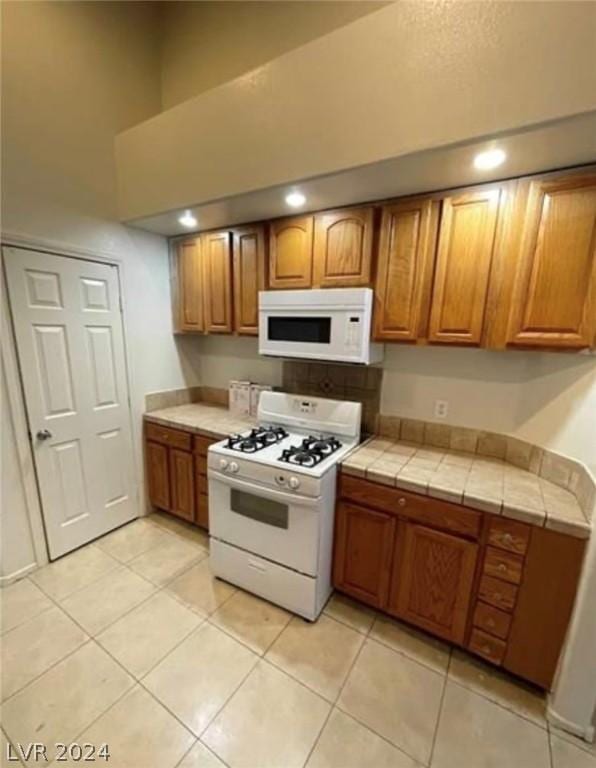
x=489, y=159
x=295, y=199
x=187, y=219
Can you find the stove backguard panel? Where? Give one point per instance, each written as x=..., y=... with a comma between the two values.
x=359, y=383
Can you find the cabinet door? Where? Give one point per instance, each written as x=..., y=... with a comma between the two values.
x=404, y=272
x=189, y=286
x=249, y=277
x=431, y=582
x=364, y=542
x=290, y=252
x=182, y=484
x=554, y=295
x=217, y=276
x=467, y=239
x=158, y=476
x=343, y=248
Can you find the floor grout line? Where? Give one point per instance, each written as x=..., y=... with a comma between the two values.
x=440, y=711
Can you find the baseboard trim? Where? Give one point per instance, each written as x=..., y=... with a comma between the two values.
x=587, y=734
x=20, y=574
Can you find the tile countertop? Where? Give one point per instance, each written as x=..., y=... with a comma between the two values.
x=479, y=482
x=211, y=420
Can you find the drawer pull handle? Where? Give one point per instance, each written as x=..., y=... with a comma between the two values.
x=257, y=566
x=502, y=567
x=402, y=502
x=507, y=538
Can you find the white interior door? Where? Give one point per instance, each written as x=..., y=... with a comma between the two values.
x=70, y=344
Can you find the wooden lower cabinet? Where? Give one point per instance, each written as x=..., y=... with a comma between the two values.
x=182, y=485
x=431, y=581
x=158, y=474
x=503, y=589
x=363, y=552
x=177, y=473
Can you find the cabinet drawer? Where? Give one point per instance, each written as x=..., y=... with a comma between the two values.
x=412, y=506
x=503, y=565
x=499, y=593
x=174, y=437
x=200, y=464
x=488, y=647
x=202, y=511
x=492, y=620
x=201, y=444
x=202, y=484
x=509, y=535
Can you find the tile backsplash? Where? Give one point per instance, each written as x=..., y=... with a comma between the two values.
x=340, y=382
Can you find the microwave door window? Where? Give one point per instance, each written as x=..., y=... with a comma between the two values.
x=310, y=330
x=261, y=510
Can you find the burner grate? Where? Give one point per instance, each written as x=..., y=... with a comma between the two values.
x=310, y=452
x=256, y=440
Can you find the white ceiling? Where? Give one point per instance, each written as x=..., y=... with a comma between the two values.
x=560, y=144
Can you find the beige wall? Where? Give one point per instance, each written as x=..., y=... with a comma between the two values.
x=406, y=78
x=205, y=44
x=73, y=75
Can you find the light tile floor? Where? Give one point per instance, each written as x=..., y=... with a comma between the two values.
x=131, y=642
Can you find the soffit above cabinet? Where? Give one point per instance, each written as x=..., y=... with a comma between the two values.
x=362, y=112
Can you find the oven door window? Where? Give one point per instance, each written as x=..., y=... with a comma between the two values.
x=259, y=509
x=311, y=330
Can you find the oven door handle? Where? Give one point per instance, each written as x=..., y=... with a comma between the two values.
x=261, y=490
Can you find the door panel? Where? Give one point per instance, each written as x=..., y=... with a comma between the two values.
x=70, y=477
x=364, y=543
x=343, y=248
x=554, y=298
x=70, y=344
x=431, y=583
x=217, y=276
x=467, y=240
x=290, y=252
x=249, y=277
x=158, y=474
x=182, y=488
x=188, y=286
x=404, y=273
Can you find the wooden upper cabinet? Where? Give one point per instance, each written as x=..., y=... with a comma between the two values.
x=217, y=279
x=432, y=578
x=188, y=287
x=290, y=252
x=554, y=292
x=467, y=241
x=364, y=542
x=343, y=244
x=404, y=271
x=249, y=249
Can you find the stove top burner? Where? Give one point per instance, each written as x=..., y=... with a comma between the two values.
x=256, y=440
x=311, y=451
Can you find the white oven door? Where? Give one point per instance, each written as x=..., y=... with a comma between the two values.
x=276, y=525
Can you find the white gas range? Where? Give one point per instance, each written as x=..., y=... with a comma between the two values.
x=272, y=499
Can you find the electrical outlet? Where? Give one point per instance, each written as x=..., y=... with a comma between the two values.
x=441, y=409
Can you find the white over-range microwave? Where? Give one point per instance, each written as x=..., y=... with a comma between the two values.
x=322, y=324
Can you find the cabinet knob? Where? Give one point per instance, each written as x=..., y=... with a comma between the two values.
x=502, y=567
x=401, y=501
x=486, y=649
x=507, y=538
x=490, y=623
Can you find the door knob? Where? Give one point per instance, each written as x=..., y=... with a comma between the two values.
x=44, y=434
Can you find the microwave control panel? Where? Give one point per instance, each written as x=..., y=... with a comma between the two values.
x=353, y=333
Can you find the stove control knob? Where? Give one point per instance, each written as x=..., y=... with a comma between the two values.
x=293, y=482
x=233, y=467
x=223, y=464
